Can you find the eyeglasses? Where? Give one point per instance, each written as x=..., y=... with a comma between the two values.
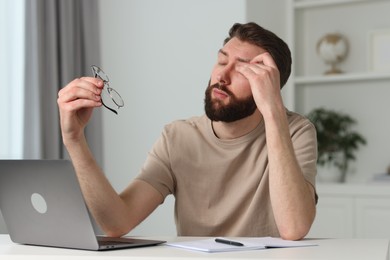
x=109, y=96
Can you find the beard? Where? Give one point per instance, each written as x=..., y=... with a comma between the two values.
x=235, y=110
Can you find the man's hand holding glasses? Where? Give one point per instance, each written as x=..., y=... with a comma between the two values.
x=77, y=100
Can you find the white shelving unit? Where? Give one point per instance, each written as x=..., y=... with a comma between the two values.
x=359, y=91
x=354, y=209
x=296, y=27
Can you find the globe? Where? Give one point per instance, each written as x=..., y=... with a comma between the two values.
x=333, y=49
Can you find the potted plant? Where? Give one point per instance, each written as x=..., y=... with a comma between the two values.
x=337, y=141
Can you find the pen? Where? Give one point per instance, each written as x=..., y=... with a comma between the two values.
x=228, y=242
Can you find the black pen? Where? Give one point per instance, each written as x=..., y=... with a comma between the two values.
x=228, y=242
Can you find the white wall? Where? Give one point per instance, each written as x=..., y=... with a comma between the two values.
x=269, y=14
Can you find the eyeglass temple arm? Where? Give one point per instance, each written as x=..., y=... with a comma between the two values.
x=109, y=108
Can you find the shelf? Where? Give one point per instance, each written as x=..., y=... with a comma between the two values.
x=348, y=189
x=318, y=3
x=342, y=78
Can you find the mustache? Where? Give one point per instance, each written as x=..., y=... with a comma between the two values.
x=221, y=87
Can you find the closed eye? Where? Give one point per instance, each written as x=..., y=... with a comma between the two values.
x=224, y=56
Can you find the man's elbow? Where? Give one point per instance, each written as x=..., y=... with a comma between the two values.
x=298, y=228
x=116, y=231
x=294, y=233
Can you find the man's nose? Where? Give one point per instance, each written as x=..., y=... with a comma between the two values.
x=223, y=76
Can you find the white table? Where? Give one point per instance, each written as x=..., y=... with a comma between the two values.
x=329, y=249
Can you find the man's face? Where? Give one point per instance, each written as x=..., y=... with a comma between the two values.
x=228, y=96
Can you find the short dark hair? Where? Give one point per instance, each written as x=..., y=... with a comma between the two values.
x=257, y=35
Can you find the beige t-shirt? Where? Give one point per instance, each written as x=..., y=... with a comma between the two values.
x=221, y=186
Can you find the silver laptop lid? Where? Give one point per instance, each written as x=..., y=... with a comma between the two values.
x=42, y=204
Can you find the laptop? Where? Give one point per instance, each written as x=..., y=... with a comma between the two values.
x=42, y=204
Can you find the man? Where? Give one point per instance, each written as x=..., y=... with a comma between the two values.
x=246, y=169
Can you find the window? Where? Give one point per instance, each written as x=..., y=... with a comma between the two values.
x=12, y=78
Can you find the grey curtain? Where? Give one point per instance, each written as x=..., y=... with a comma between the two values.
x=62, y=41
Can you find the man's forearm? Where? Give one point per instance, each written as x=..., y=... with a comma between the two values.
x=292, y=197
x=103, y=201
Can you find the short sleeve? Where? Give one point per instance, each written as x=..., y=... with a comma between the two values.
x=157, y=169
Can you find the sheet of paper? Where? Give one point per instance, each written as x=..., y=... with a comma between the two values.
x=250, y=243
x=209, y=245
x=278, y=242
